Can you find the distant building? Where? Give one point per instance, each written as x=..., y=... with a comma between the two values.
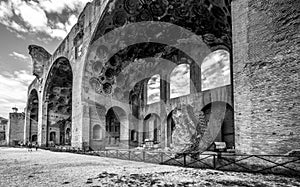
x=15, y=129
x=3, y=129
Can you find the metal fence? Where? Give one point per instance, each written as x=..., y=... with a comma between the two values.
x=276, y=164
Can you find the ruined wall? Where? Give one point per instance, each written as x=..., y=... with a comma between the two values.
x=210, y=20
x=15, y=131
x=266, y=66
x=115, y=61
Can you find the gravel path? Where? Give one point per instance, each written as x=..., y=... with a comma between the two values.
x=18, y=167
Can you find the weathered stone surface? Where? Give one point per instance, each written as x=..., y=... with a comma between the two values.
x=109, y=54
x=266, y=75
x=188, y=131
x=40, y=58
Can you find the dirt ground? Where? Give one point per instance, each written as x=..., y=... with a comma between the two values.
x=18, y=167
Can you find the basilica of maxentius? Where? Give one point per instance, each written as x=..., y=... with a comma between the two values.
x=172, y=75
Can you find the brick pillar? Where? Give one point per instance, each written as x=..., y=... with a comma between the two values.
x=43, y=130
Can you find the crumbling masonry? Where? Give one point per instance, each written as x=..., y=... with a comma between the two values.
x=241, y=59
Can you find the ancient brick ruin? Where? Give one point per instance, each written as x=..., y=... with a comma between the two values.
x=174, y=73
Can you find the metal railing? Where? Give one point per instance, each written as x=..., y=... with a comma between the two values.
x=280, y=164
x=276, y=164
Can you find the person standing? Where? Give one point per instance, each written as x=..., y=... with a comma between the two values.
x=36, y=146
x=29, y=147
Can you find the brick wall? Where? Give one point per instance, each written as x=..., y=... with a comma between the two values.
x=266, y=66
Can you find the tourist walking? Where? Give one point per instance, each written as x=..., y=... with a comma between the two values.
x=36, y=146
x=29, y=147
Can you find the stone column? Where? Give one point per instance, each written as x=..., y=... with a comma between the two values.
x=124, y=132
x=151, y=128
x=27, y=123
x=43, y=131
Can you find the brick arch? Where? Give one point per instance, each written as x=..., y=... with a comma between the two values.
x=226, y=128
x=110, y=50
x=201, y=18
x=116, y=124
x=57, y=95
x=170, y=128
x=32, y=115
x=151, y=126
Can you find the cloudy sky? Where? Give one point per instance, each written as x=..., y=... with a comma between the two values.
x=215, y=70
x=153, y=91
x=25, y=22
x=179, y=84
x=180, y=81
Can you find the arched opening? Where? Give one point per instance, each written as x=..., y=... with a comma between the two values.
x=180, y=81
x=97, y=132
x=153, y=89
x=33, y=108
x=226, y=133
x=151, y=128
x=137, y=98
x=52, y=137
x=135, y=106
x=170, y=128
x=115, y=118
x=68, y=136
x=134, y=135
x=58, y=93
x=34, y=138
x=215, y=70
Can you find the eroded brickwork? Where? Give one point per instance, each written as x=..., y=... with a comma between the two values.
x=108, y=71
x=266, y=66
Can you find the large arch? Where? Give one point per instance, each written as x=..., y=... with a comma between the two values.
x=116, y=123
x=226, y=132
x=107, y=57
x=170, y=128
x=151, y=128
x=31, y=128
x=58, y=99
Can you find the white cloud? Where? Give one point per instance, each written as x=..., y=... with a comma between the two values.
x=17, y=27
x=19, y=55
x=13, y=90
x=153, y=91
x=12, y=25
x=31, y=16
x=180, y=81
x=5, y=9
x=57, y=6
x=58, y=33
x=70, y=23
x=215, y=70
